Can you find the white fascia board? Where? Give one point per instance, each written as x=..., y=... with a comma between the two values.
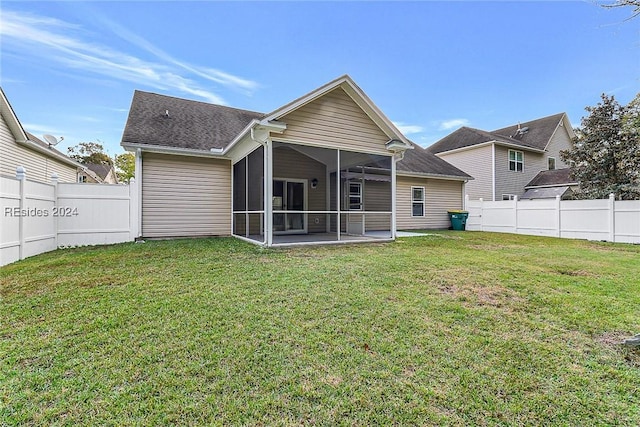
x=50, y=153
x=484, y=144
x=433, y=176
x=264, y=125
x=568, y=184
x=566, y=125
x=242, y=134
x=147, y=148
x=12, y=119
x=356, y=94
x=374, y=113
x=305, y=99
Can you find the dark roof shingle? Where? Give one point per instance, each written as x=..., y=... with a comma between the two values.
x=537, y=135
x=420, y=160
x=553, y=177
x=202, y=126
x=189, y=124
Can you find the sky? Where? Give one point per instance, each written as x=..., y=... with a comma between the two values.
x=70, y=68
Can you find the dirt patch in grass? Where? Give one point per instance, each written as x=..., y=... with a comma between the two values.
x=476, y=294
x=575, y=273
x=614, y=340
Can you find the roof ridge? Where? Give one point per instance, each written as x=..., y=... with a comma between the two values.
x=530, y=121
x=197, y=101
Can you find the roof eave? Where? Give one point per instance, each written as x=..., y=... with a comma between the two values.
x=434, y=175
x=53, y=154
x=358, y=96
x=149, y=148
x=564, y=184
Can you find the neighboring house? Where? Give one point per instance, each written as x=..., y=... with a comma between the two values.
x=20, y=148
x=551, y=183
x=327, y=167
x=504, y=161
x=98, y=173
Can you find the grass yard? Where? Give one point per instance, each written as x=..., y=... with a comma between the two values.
x=458, y=328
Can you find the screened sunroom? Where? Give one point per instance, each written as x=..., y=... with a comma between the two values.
x=288, y=194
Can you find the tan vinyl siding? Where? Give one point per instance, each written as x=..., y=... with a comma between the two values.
x=289, y=163
x=185, y=196
x=335, y=121
x=39, y=167
x=477, y=163
x=440, y=196
x=559, y=141
x=513, y=182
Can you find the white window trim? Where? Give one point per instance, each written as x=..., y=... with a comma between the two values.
x=508, y=196
x=359, y=196
x=515, y=160
x=418, y=201
x=555, y=164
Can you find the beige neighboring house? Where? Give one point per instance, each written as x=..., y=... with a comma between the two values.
x=98, y=173
x=20, y=148
x=503, y=162
x=327, y=167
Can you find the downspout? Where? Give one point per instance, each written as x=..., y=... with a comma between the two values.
x=138, y=175
x=267, y=187
x=397, y=157
x=493, y=172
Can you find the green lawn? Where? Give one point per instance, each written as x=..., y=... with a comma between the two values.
x=457, y=328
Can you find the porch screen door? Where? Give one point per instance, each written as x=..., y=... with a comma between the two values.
x=289, y=196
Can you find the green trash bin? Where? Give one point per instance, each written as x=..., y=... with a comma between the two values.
x=458, y=219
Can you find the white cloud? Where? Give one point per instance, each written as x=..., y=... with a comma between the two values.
x=453, y=123
x=61, y=43
x=408, y=129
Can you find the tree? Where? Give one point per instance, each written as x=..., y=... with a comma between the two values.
x=125, y=166
x=90, y=152
x=635, y=4
x=605, y=156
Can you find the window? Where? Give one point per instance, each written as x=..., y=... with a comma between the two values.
x=417, y=201
x=82, y=178
x=552, y=163
x=355, y=196
x=508, y=196
x=516, y=161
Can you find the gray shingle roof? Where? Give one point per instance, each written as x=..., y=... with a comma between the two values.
x=552, y=178
x=537, y=135
x=189, y=124
x=420, y=160
x=546, y=193
x=43, y=144
x=99, y=169
x=202, y=126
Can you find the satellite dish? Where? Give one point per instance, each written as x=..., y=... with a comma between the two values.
x=52, y=140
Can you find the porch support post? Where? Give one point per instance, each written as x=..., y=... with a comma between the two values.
x=246, y=196
x=268, y=194
x=338, y=195
x=393, y=196
x=138, y=176
x=327, y=217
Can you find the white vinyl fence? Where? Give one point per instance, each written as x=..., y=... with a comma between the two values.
x=607, y=219
x=38, y=217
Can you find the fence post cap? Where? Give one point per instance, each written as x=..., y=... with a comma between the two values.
x=54, y=178
x=21, y=172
